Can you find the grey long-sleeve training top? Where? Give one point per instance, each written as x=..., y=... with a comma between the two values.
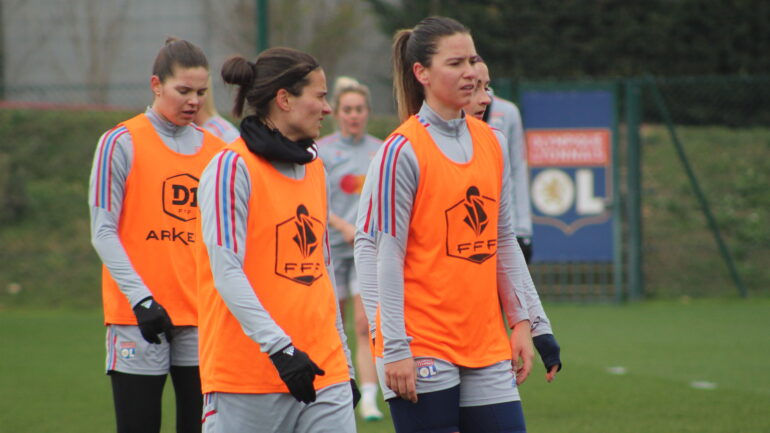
x=505, y=116
x=114, y=163
x=227, y=264
x=515, y=287
x=345, y=159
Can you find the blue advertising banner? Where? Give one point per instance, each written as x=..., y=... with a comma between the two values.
x=570, y=142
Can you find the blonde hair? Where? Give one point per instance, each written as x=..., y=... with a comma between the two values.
x=208, y=105
x=344, y=85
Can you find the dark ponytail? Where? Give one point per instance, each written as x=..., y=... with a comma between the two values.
x=240, y=72
x=417, y=45
x=259, y=81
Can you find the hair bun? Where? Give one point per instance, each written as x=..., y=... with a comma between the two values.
x=237, y=70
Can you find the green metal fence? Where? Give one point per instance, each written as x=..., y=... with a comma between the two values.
x=700, y=178
x=694, y=201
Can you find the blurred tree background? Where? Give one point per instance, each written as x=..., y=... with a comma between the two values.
x=574, y=39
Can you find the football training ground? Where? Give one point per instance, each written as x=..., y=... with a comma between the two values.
x=668, y=366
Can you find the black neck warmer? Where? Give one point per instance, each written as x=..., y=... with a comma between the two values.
x=274, y=146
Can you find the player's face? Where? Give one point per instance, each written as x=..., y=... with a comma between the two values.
x=480, y=99
x=352, y=114
x=306, y=111
x=450, y=80
x=179, y=98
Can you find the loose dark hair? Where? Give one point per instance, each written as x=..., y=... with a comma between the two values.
x=410, y=46
x=259, y=81
x=177, y=52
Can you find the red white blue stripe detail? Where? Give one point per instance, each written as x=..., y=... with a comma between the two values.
x=112, y=356
x=227, y=164
x=386, y=194
x=103, y=184
x=369, y=223
x=206, y=401
x=217, y=126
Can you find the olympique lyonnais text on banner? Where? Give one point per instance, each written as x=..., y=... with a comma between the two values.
x=569, y=151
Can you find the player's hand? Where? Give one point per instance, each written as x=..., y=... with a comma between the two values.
x=549, y=351
x=152, y=319
x=400, y=377
x=522, y=352
x=297, y=371
x=348, y=233
x=525, y=243
x=551, y=374
x=356, y=392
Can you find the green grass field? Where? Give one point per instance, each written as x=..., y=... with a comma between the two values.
x=52, y=381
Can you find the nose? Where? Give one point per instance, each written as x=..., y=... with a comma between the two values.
x=486, y=99
x=327, y=109
x=471, y=72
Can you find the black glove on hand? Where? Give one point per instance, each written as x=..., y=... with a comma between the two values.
x=549, y=350
x=526, y=247
x=297, y=371
x=152, y=319
x=356, y=392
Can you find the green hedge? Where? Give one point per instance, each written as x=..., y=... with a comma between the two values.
x=46, y=256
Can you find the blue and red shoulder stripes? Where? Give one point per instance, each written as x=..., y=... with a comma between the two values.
x=386, y=191
x=369, y=222
x=103, y=184
x=217, y=126
x=227, y=165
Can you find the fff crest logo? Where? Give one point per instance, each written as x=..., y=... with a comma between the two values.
x=180, y=196
x=468, y=234
x=297, y=239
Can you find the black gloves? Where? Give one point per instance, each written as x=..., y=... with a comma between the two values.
x=525, y=243
x=297, y=371
x=152, y=319
x=549, y=350
x=356, y=392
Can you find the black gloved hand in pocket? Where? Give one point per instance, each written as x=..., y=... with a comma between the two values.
x=297, y=371
x=152, y=319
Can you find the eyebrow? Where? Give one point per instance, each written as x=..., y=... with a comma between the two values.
x=450, y=59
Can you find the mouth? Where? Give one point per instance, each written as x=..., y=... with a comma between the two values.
x=468, y=88
x=479, y=114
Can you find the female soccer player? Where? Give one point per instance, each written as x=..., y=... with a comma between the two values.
x=208, y=118
x=447, y=255
x=542, y=335
x=142, y=194
x=505, y=116
x=346, y=155
x=274, y=355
